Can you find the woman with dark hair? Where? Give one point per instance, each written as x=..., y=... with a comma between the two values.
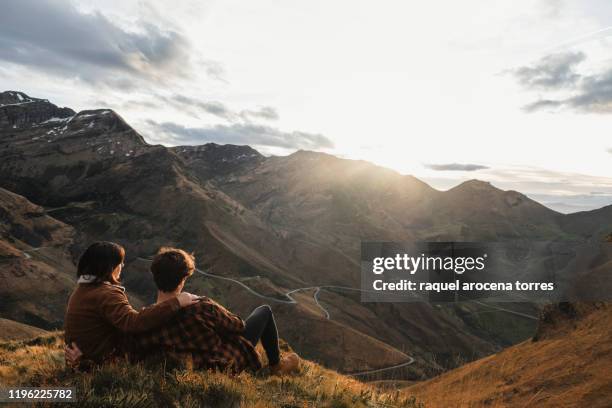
x=99, y=315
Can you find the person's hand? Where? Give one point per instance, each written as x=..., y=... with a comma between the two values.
x=72, y=354
x=187, y=299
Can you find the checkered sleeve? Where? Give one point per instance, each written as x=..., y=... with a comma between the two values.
x=226, y=320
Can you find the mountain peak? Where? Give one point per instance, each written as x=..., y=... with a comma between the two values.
x=220, y=148
x=218, y=152
x=309, y=154
x=18, y=110
x=15, y=98
x=212, y=158
x=106, y=119
x=475, y=184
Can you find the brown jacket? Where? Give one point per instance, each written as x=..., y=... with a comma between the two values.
x=99, y=316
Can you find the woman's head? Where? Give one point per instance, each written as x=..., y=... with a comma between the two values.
x=103, y=260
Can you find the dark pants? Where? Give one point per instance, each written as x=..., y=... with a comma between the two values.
x=260, y=325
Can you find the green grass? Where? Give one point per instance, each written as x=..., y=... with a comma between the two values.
x=159, y=383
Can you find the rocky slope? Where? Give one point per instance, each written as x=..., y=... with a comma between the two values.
x=19, y=110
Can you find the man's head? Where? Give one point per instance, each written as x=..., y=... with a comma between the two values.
x=170, y=268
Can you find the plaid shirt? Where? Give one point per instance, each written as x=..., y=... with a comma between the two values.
x=207, y=333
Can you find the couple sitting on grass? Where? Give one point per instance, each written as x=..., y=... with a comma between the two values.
x=100, y=324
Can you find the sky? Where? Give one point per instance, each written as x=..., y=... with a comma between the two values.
x=517, y=93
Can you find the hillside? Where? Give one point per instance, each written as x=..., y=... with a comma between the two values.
x=567, y=365
x=12, y=330
x=39, y=362
x=36, y=269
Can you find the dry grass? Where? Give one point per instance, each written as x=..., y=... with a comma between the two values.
x=39, y=362
x=572, y=368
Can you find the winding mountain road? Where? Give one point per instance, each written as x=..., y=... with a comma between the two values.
x=28, y=256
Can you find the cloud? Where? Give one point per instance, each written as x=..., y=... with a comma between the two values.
x=551, y=72
x=595, y=94
x=558, y=190
x=542, y=181
x=214, y=69
x=55, y=37
x=552, y=8
x=194, y=106
x=238, y=133
x=573, y=203
x=586, y=93
x=592, y=95
x=542, y=104
x=455, y=167
x=264, y=112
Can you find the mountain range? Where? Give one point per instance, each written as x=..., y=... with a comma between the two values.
x=269, y=225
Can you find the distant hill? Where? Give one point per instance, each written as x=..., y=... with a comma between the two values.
x=568, y=366
x=275, y=224
x=11, y=330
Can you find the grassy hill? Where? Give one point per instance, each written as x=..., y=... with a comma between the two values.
x=39, y=362
x=568, y=364
x=12, y=330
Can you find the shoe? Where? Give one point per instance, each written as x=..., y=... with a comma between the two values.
x=288, y=364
